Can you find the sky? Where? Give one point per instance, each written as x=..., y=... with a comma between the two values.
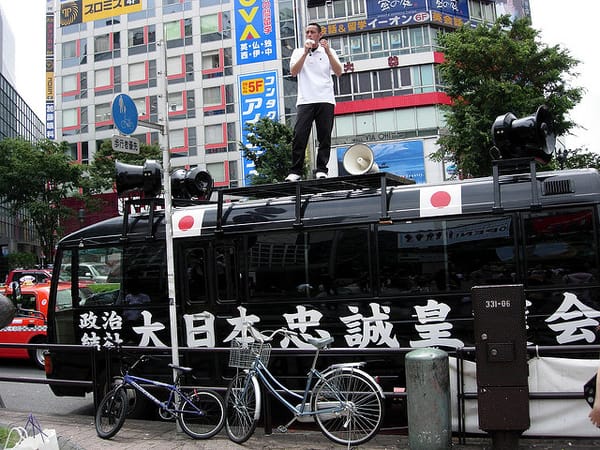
x=568, y=24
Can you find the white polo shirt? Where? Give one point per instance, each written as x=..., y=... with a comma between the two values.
x=315, y=84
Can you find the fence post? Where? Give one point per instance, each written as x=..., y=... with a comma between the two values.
x=428, y=399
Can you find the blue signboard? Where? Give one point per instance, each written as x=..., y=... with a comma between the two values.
x=411, y=7
x=405, y=159
x=124, y=114
x=255, y=37
x=258, y=98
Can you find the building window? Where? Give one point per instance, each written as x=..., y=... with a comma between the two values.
x=217, y=63
x=141, y=40
x=215, y=27
x=213, y=134
x=178, y=33
x=138, y=72
x=103, y=113
x=107, y=46
x=217, y=171
x=70, y=83
x=70, y=118
x=177, y=138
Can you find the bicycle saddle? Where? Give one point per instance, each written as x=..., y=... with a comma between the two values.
x=320, y=342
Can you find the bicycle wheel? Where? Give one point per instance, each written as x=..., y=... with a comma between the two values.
x=242, y=403
x=202, y=413
x=111, y=413
x=362, y=415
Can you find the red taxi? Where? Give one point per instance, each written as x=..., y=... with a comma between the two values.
x=29, y=324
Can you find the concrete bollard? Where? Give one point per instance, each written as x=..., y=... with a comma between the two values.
x=428, y=399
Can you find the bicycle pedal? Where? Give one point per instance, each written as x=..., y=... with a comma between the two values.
x=282, y=429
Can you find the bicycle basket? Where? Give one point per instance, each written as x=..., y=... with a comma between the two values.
x=243, y=354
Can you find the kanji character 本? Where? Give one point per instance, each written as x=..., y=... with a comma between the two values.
x=239, y=324
x=200, y=329
x=301, y=321
x=434, y=330
x=364, y=330
x=148, y=331
x=573, y=320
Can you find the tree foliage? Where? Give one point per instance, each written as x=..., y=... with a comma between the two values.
x=494, y=69
x=579, y=158
x=36, y=178
x=270, y=151
x=101, y=171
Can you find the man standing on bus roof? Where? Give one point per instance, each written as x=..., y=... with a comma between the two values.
x=313, y=64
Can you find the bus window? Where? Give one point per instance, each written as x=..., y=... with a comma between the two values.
x=195, y=269
x=446, y=255
x=313, y=264
x=560, y=247
x=226, y=273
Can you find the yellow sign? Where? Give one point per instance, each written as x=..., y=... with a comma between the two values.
x=79, y=11
x=49, y=86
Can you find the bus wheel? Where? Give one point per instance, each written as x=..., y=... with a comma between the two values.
x=36, y=355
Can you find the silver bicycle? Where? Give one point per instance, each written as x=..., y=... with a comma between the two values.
x=344, y=400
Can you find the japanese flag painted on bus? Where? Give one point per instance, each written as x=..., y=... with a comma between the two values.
x=187, y=222
x=440, y=200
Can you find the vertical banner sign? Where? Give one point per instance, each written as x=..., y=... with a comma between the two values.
x=254, y=31
x=258, y=98
x=50, y=127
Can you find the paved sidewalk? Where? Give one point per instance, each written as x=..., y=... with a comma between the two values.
x=76, y=432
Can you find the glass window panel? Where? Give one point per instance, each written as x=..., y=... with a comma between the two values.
x=177, y=138
x=140, y=104
x=174, y=65
x=137, y=71
x=102, y=77
x=69, y=83
x=103, y=112
x=364, y=123
x=70, y=117
x=175, y=101
x=406, y=119
x=101, y=43
x=172, y=30
x=213, y=134
x=209, y=24
x=426, y=117
x=560, y=248
x=212, y=96
x=344, y=125
x=69, y=49
x=385, y=121
x=216, y=170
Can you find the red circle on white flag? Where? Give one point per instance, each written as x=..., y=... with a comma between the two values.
x=440, y=199
x=186, y=223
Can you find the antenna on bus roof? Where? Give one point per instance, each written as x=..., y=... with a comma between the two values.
x=532, y=136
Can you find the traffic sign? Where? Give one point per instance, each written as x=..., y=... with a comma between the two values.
x=125, y=114
x=125, y=144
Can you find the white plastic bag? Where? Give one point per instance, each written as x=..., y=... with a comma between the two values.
x=33, y=437
x=44, y=440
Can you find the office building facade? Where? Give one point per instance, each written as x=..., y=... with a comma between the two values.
x=203, y=69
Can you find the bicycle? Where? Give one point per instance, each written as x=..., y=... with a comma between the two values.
x=345, y=401
x=200, y=412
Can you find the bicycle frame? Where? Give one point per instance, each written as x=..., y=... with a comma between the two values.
x=169, y=405
x=259, y=370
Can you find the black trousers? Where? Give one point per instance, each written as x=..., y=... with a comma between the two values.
x=322, y=115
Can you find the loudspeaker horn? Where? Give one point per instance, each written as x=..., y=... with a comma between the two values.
x=530, y=136
x=191, y=184
x=146, y=178
x=359, y=159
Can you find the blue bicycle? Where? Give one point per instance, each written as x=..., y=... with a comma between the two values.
x=200, y=412
x=344, y=400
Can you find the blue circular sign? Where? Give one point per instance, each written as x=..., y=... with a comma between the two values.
x=124, y=113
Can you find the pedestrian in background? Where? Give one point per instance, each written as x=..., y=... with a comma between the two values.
x=313, y=64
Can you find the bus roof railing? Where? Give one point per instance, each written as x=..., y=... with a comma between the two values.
x=378, y=180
